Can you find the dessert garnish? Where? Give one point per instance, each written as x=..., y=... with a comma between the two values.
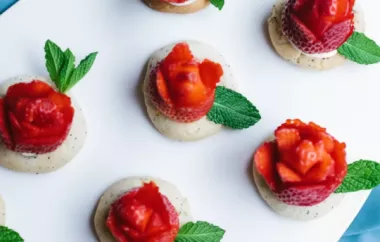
x=217, y=3
x=34, y=117
x=319, y=27
x=304, y=165
x=144, y=214
x=61, y=66
x=9, y=235
x=185, y=89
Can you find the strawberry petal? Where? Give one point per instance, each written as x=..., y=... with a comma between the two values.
x=287, y=174
x=264, y=160
x=211, y=73
x=5, y=135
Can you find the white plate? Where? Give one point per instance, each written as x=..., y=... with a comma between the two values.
x=121, y=142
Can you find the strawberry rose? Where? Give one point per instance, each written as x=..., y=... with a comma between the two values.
x=182, y=88
x=303, y=165
x=144, y=215
x=34, y=118
x=318, y=26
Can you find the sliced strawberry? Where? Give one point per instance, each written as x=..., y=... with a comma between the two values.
x=5, y=135
x=163, y=89
x=287, y=174
x=339, y=156
x=324, y=168
x=287, y=138
x=328, y=141
x=338, y=34
x=318, y=26
x=143, y=214
x=180, y=53
x=137, y=214
x=307, y=156
x=60, y=100
x=34, y=89
x=156, y=224
x=264, y=160
x=302, y=195
x=181, y=88
x=211, y=73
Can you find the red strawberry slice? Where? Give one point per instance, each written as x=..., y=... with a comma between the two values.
x=307, y=156
x=287, y=138
x=264, y=160
x=287, y=174
x=210, y=73
x=305, y=195
x=339, y=156
x=5, y=136
x=324, y=168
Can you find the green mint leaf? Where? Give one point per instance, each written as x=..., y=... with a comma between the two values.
x=217, y=3
x=361, y=175
x=200, y=232
x=8, y=235
x=67, y=71
x=360, y=49
x=54, y=60
x=233, y=110
x=83, y=68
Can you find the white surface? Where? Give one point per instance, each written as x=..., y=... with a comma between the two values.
x=121, y=141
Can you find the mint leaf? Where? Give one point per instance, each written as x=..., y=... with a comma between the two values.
x=66, y=72
x=83, y=68
x=54, y=60
x=217, y=3
x=361, y=175
x=61, y=66
x=360, y=49
x=200, y=232
x=233, y=110
x=8, y=235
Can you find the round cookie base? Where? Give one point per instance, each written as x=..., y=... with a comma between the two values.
x=162, y=6
x=286, y=50
x=2, y=211
x=197, y=130
x=295, y=212
x=118, y=189
x=55, y=160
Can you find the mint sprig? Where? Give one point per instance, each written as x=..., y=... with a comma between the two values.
x=61, y=66
x=360, y=49
x=361, y=175
x=217, y=3
x=8, y=235
x=200, y=232
x=233, y=110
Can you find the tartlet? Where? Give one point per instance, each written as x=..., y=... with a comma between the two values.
x=179, y=7
x=190, y=93
x=41, y=127
x=144, y=209
x=301, y=42
x=302, y=172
